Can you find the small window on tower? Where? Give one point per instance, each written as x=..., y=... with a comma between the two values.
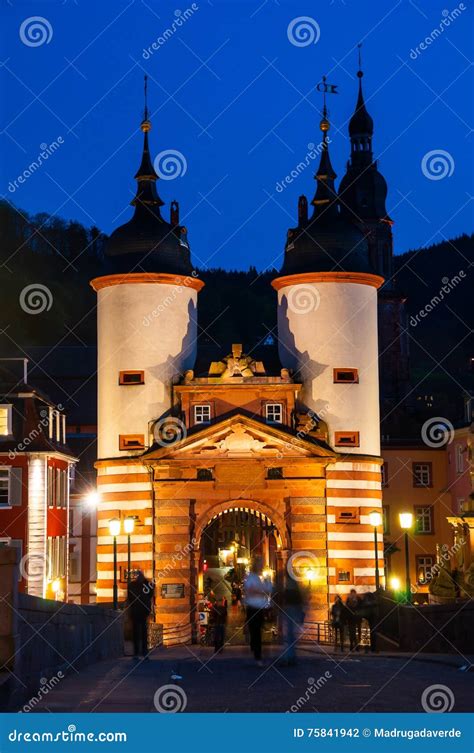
x=202, y=414
x=204, y=474
x=344, y=576
x=345, y=376
x=275, y=473
x=131, y=442
x=348, y=515
x=346, y=439
x=131, y=377
x=274, y=413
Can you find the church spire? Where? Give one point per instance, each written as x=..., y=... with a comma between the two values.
x=146, y=176
x=324, y=200
x=361, y=125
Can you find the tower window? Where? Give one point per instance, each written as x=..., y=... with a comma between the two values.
x=131, y=442
x=346, y=439
x=202, y=414
x=274, y=413
x=204, y=474
x=275, y=473
x=344, y=576
x=5, y=420
x=348, y=515
x=348, y=376
x=131, y=377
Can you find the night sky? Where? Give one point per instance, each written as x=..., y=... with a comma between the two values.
x=231, y=93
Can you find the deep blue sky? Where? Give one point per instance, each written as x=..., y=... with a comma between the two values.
x=256, y=98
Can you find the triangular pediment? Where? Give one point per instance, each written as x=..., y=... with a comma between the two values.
x=241, y=437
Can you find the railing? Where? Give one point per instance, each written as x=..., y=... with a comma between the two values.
x=313, y=632
x=324, y=633
x=167, y=635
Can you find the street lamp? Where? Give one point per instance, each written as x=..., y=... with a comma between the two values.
x=114, y=528
x=375, y=521
x=128, y=526
x=395, y=584
x=92, y=499
x=406, y=522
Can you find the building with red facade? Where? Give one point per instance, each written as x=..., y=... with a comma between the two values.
x=35, y=466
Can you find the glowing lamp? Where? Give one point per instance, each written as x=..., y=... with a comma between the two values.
x=92, y=499
x=395, y=584
x=129, y=525
x=406, y=520
x=114, y=527
x=55, y=585
x=267, y=574
x=311, y=573
x=375, y=519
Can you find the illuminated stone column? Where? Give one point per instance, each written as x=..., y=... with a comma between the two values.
x=37, y=561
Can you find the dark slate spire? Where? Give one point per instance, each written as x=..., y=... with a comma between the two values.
x=325, y=198
x=146, y=176
x=361, y=125
x=327, y=241
x=147, y=242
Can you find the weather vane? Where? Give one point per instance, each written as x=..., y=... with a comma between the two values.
x=326, y=88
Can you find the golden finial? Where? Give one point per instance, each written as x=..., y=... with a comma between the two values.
x=145, y=124
x=324, y=124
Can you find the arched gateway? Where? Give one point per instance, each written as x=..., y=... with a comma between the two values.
x=225, y=479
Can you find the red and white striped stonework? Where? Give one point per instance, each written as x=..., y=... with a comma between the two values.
x=356, y=484
x=125, y=490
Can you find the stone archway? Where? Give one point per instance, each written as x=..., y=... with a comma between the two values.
x=256, y=506
x=228, y=537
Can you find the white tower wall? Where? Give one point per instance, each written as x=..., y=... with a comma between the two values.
x=141, y=326
x=328, y=325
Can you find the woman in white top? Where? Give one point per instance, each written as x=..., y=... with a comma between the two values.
x=257, y=598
